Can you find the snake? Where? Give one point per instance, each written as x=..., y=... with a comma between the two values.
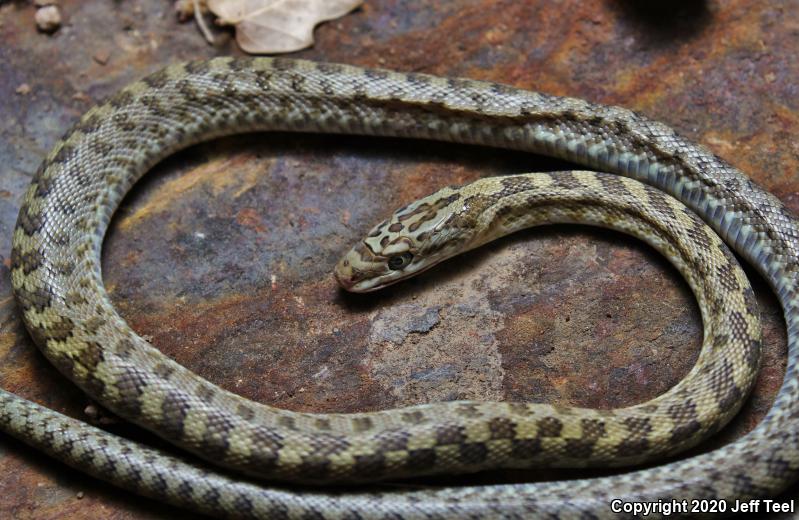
x=246, y=459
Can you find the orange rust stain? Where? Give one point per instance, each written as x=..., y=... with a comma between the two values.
x=215, y=174
x=251, y=219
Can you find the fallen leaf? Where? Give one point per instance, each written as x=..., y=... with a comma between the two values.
x=277, y=26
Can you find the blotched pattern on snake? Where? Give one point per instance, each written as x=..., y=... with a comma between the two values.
x=57, y=280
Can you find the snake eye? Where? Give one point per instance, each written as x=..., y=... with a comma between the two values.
x=395, y=263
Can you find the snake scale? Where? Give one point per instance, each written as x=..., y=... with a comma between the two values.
x=57, y=281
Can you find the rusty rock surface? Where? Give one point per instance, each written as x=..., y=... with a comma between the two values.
x=222, y=255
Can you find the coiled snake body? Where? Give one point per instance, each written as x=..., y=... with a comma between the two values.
x=57, y=281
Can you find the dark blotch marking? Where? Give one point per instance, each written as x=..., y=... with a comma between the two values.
x=392, y=441
x=163, y=371
x=415, y=417
x=421, y=459
x=473, y=207
x=241, y=64
x=130, y=385
x=157, y=483
x=284, y=64
x=632, y=446
x=430, y=215
x=479, y=98
x=44, y=185
x=265, y=445
x=520, y=409
x=327, y=87
x=580, y=448
x=469, y=410
x=245, y=412
x=498, y=88
x=330, y=68
x=583, y=447
x=211, y=498
x=242, y=505
x=731, y=398
x=685, y=431
x=157, y=79
x=298, y=83
x=459, y=84
x=327, y=445
x=93, y=324
x=566, y=180
x=89, y=357
x=263, y=78
x=188, y=90
x=185, y=491
x=174, y=410
x=198, y=67
x=418, y=79
x=59, y=330
x=121, y=99
x=314, y=467
x=549, y=427
x=124, y=348
x=450, y=434
x=502, y=428
x=593, y=428
x=376, y=74
x=28, y=261
x=682, y=412
x=515, y=184
x=287, y=422
x=215, y=437
x=370, y=465
x=322, y=424
x=362, y=424
x=30, y=223
x=379, y=229
x=205, y=393
x=525, y=449
x=472, y=453
x=90, y=124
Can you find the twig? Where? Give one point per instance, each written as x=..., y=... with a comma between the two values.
x=201, y=22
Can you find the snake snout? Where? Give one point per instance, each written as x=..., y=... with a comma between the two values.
x=344, y=275
x=356, y=266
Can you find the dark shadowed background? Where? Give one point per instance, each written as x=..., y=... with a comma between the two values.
x=222, y=255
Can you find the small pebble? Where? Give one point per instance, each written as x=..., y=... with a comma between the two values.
x=23, y=90
x=92, y=411
x=48, y=18
x=102, y=56
x=79, y=495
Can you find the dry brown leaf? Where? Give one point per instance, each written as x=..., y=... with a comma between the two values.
x=276, y=26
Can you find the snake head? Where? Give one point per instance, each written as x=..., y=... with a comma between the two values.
x=414, y=239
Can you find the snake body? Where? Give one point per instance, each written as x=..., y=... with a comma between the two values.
x=57, y=281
